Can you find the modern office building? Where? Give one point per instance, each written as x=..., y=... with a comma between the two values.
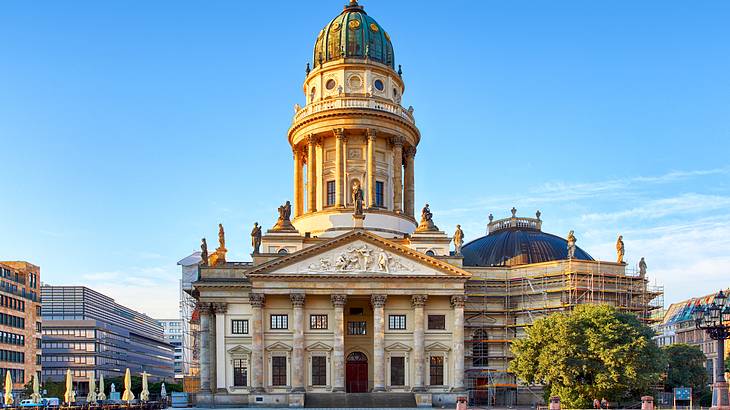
x=92, y=335
x=20, y=321
x=173, y=332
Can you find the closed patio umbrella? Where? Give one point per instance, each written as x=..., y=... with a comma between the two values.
x=91, y=397
x=70, y=395
x=8, y=389
x=127, y=396
x=36, y=396
x=145, y=394
x=101, y=396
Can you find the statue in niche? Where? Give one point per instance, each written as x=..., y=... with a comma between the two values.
x=256, y=237
x=458, y=240
x=357, y=198
x=204, y=252
x=642, y=267
x=571, y=245
x=620, y=249
x=221, y=237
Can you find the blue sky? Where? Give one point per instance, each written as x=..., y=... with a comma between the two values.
x=129, y=130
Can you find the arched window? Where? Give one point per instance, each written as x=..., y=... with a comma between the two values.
x=480, y=349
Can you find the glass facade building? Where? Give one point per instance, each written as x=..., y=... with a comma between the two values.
x=91, y=334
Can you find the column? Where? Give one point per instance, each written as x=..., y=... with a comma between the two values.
x=321, y=188
x=371, y=167
x=457, y=340
x=297, y=357
x=418, y=302
x=311, y=174
x=220, y=345
x=298, y=200
x=338, y=351
x=410, y=191
x=397, y=173
x=257, y=343
x=378, y=302
x=212, y=357
x=339, y=177
x=204, y=311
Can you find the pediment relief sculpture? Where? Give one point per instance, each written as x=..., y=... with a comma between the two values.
x=361, y=259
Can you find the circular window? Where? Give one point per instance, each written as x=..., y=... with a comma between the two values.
x=430, y=253
x=379, y=85
x=355, y=82
x=354, y=24
x=282, y=251
x=331, y=84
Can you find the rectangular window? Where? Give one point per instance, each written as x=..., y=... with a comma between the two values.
x=436, y=322
x=240, y=372
x=330, y=193
x=318, y=321
x=356, y=328
x=379, y=194
x=437, y=371
x=278, y=371
x=319, y=371
x=279, y=321
x=239, y=327
x=397, y=322
x=397, y=371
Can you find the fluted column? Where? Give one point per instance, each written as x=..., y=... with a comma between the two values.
x=397, y=173
x=220, y=345
x=204, y=311
x=378, y=302
x=339, y=172
x=338, y=351
x=457, y=340
x=418, y=302
x=257, y=342
x=298, y=182
x=311, y=174
x=297, y=357
x=371, y=167
x=410, y=190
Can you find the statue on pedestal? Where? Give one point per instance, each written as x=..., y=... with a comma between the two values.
x=642, y=267
x=221, y=237
x=426, y=221
x=204, y=252
x=571, y=245
x=458, y=240
x=620, y=249
x=357, y=198
x=284, y=222
x=256, y=237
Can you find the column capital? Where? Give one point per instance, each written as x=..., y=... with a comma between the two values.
x=219, y=307
x=297, y=299
x=410, y=152
x=256, y=300
x=339, y=300
x=204, y=307
x=378, y=301
x=397, y=141
x=339, y=133
x=313, y=140
x=371, y=133
x=419, y=300
x=458, y=300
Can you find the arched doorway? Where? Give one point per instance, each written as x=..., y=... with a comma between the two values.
x=356, y=376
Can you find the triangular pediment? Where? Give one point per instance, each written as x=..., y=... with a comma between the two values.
x=239, y=350
x=437, y=347
x=398, y=347
x=359, y=253
x=319, y=346
x=279, y=346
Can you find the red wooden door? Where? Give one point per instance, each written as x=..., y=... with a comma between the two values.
x=356, y=375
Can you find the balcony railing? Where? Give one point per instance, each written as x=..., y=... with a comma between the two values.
x=354, y=102
x=514, y=222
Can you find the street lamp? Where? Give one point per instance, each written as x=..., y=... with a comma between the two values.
x=711, y=319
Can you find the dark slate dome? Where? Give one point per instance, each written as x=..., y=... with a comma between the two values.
x=517, y=241
x=353, y=34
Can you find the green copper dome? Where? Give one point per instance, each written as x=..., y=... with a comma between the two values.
x=353, y=34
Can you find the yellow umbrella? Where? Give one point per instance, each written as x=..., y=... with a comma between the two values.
x=36, y=396
x=101, y=396
x=70, y=395
x=8, y=389
x=127, y=395
x=145, y=394
x=91, y=397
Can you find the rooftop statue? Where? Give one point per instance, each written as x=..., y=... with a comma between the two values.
x=285, y=211
x=514, y=212
x=620, y=249
x=458, y=240
x=571, y=245
x=221, y=237
x=204, y=252
x=256, y=238
x=426, y=221
x=284, y=222
x=642, y=267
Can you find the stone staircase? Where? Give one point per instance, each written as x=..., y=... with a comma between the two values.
x=370, y=400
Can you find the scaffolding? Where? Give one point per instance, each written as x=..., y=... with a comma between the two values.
x=503, y=301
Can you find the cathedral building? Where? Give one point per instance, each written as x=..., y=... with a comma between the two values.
x=356, y=294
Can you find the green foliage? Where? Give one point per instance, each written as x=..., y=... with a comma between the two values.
x=54, y=389
x=592, y=352
x=685, y=368
x=28, y=388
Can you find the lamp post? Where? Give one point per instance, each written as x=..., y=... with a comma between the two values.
x=711, y=319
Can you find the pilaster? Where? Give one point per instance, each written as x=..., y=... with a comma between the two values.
x=457, y=340
x=257, y=342
x=339, y=172
x=378, y=302
x=419, y=302
x=371, y=136
x=338, y=351
x=297, y=360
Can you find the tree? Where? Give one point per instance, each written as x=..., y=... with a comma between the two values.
x=595, y=351
x=685, y=368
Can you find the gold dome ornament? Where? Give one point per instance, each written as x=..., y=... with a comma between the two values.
x=354, y=24
x=336, y=25
x=387, y=37
x=374, y=27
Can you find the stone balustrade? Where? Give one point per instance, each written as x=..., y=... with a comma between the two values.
x=353, y=102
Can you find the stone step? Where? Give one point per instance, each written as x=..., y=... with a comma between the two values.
x=368, y=400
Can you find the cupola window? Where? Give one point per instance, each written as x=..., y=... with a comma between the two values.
x=379, y=85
